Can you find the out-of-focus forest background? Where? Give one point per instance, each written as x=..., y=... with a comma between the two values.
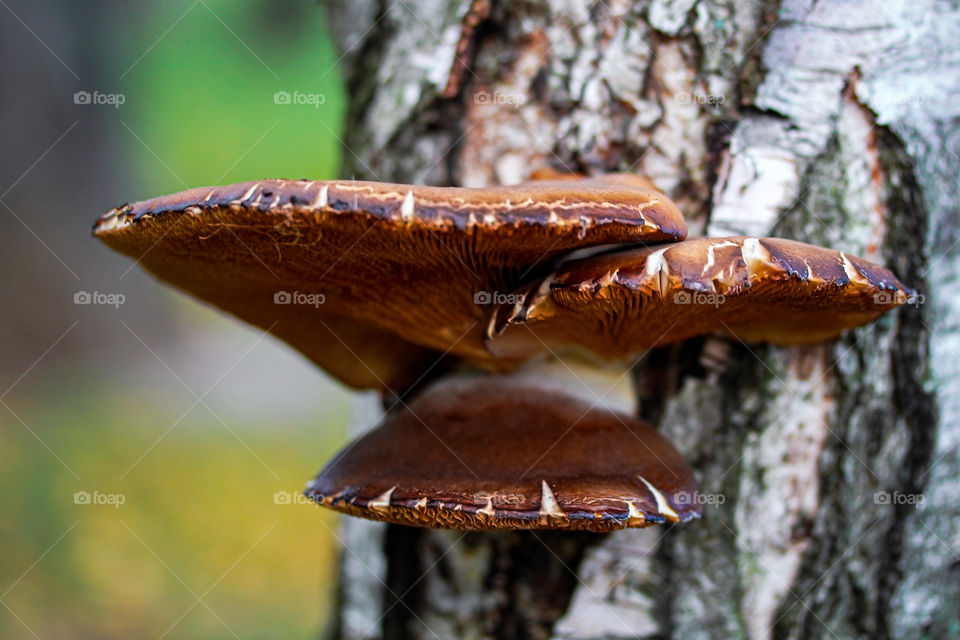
x=152, y=452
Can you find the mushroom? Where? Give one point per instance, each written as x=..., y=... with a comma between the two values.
x=340, y=269
x=755, y=289
x=390, y=277
x=501, y=452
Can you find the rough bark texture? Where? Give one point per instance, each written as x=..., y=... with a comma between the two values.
x=831, y=122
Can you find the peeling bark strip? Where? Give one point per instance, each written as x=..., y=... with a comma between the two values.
x=830, y=473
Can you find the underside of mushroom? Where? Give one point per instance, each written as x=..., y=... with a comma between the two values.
x=334, y=267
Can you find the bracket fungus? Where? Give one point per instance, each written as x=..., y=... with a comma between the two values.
x=351, y=261
x=755, y=289
x=496, y=452
x=374, y=282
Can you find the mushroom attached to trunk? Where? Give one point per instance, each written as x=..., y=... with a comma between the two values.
x=341, y=269
x=502, y=452
x=374, y=282
x=626, y=301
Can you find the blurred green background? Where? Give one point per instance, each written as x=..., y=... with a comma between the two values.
x=152, y=453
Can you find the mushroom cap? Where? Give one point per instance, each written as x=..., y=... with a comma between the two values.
x=421, y=263
x=496, y=452
x=756, y=289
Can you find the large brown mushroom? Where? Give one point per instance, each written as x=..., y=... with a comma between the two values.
x=374, y=282
x=501, y=452
x=341, y=269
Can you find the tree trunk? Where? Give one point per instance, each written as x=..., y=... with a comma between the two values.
x=831, y=474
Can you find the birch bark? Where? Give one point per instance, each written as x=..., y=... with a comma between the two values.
x=832, y=122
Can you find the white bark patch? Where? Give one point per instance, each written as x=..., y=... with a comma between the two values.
x=813, y=50
x=669, y=16
x=457, y=597
x=408, y=73
x=863, y=181
x=622, y=67
x=363, y=565
x=780, y=485
x=758, y=184
x=677, y=152
x=615, y=598
x=506, y=132
x=363, y=569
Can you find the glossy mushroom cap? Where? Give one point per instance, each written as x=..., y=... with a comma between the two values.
x=339, y=269
x=756, y=289
x=496, y=452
